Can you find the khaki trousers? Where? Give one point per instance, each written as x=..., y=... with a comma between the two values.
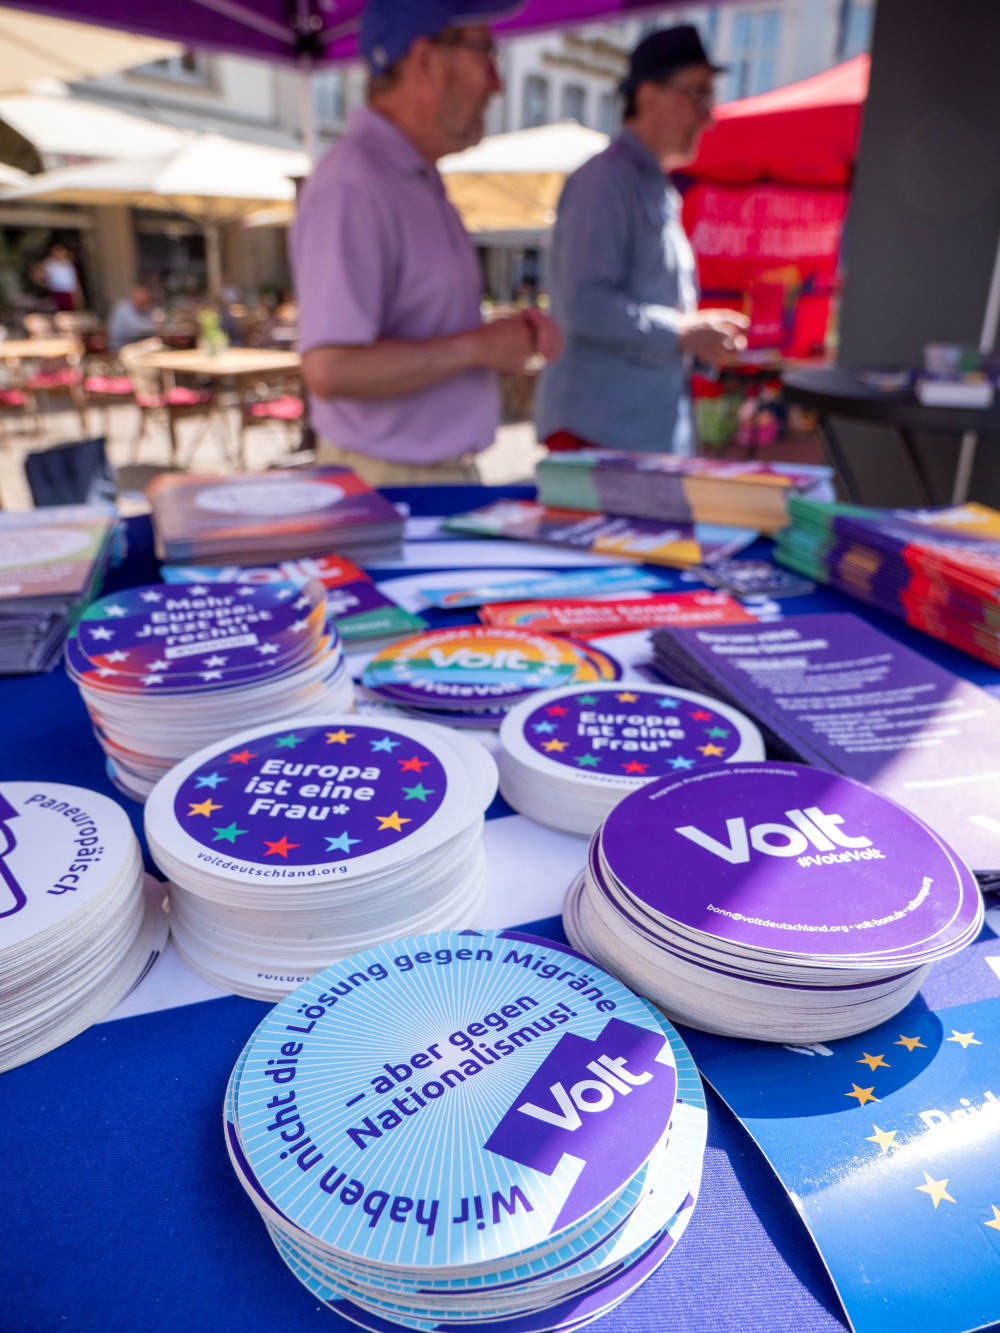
x=378, y=472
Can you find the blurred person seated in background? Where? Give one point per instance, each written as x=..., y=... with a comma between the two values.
x=131, y=319
x=282, y=325
x=623, y=281
x=57, y=274
x=401, y=370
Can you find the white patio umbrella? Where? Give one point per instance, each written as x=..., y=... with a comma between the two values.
x=33, y=47
x=210, y=179
x=11, y=176
x=512, y=182
x=70, y=127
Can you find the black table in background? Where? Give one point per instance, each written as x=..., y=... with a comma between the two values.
x=836, y=391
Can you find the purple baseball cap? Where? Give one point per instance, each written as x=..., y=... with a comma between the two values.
x=390, y=27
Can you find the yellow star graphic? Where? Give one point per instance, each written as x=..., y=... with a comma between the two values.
x=710, y=749
x=885, y=1138
x=627, y=698
x=937, y=1189
x=341, y=736
x=873, y=1061
x=555, y=745
x=205, y=808
x=964, y=1039
x=910, y=1043
x=393, y=821
x=995, y=1224
x=863, y=1094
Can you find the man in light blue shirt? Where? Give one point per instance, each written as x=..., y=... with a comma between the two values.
x=623, y=273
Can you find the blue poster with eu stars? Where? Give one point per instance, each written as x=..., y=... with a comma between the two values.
x=889, y=1145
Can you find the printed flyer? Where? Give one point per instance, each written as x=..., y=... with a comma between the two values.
x=575, y=616
x=839, y=693
x=889, y=1144
x=649, y=540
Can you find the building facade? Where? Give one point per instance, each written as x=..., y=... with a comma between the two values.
x=572, y=75
x=565, y=75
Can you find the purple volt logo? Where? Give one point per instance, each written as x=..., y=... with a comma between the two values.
x=606, y=1101
x=14, y=898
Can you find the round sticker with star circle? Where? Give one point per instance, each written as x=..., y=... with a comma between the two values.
x=167, y=637
x=471, y=665
x=625, y=735
x=314, y=800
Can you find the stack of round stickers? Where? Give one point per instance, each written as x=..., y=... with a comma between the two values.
x=457, y=1129
x=77, y=930
x=288, y=849
x=569, y=755
x=212, y=659
x=472, y=675
x=771, y=901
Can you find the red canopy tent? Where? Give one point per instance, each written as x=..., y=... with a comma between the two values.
x=766, y=210
x=803, y=134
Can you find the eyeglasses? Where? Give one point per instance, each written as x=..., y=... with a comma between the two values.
x=485, y=48
x=701, y=97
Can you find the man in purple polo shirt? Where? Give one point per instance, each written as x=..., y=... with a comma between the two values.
x=401, y=370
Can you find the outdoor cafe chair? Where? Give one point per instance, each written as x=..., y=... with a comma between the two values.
x=51, y=377
x=106, y=390
x=12, y=407
x=154, y=398
x=281, y=403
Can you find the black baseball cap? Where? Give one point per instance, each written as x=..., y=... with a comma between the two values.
x=663, y=53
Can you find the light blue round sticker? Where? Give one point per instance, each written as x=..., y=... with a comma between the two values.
x=451, y=1100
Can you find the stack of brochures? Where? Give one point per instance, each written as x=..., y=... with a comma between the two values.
x=272, y=516
x=834, y=691
x=937, y=569
x=746, y=493
x=51, y=561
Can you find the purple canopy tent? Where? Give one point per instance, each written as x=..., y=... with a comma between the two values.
x=305, y=32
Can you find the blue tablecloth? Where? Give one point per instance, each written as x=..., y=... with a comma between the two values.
x=120, y=1211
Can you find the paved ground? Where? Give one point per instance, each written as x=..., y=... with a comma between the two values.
x=213, y=449
x=511, y=458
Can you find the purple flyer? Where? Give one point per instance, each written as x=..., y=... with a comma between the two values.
x=843, y=694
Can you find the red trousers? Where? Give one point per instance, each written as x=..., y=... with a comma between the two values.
x=564, y=441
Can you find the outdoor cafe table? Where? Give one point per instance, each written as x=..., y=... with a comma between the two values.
x=233, y=366
x=119, y=1210
x=16, y=350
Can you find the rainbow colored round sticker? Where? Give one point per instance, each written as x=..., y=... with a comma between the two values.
x=471, y=665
